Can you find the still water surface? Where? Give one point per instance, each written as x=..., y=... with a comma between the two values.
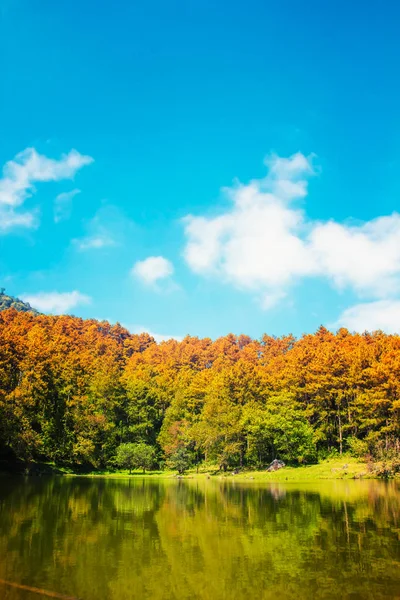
x=113, y=539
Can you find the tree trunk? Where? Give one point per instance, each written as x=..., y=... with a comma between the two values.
x=386, y=437
x=340, y=433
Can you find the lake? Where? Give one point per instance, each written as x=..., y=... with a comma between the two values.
x=164, y=539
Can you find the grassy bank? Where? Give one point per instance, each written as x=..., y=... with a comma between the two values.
x=344, y=467
x=334, y=468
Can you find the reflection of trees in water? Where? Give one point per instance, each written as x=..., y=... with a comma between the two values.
x=283, y=539
x=140, y=538
x=70, y=533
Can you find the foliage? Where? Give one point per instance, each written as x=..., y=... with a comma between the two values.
x=11, y=302
x=358, y=448
x=179, y=460
x=135, y=456
x=126, y=456
x=73, y=391
x=278, y=430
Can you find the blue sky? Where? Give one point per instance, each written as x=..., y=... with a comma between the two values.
x=202, y=167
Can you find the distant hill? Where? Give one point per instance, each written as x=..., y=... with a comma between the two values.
x=11, y=302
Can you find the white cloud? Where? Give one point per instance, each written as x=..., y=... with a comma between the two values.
x=271, y=299
x=9, y=218
x=264, y=242
x=20, y=175
x=370, y=316
x=95, y=242
x=63, y=205
x=152, y=269
x=107, y=228
x=159, y=337
x=364, y=257
x=288, y=168
x=257, y=244
x=56, y=302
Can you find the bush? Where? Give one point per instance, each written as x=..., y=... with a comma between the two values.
x=387, y=468
x=358, y=448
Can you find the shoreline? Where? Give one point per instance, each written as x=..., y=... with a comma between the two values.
x=340, y=468
x=343, y=468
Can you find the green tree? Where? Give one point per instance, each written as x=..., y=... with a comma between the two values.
x=278, y=429
x=135, y=456
x=218, y=433
x=126, y=456
x=180, y=460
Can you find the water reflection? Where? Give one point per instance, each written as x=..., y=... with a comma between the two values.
x=161, y=539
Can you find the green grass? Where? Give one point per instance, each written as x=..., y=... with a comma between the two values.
x=334, y=468
x=344, y=467
x=122, y=473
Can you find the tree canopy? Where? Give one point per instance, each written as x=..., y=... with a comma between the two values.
x=73, y=391
x=135, y=456
x=11, y=302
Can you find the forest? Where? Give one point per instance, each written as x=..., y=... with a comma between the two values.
x=83, y=393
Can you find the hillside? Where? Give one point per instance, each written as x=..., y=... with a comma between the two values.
x=11, y=302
